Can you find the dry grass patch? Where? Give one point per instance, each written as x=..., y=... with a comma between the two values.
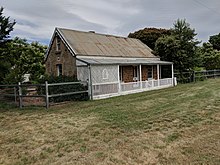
x=172, y=126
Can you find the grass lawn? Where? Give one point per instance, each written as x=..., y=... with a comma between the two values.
x=179, y=125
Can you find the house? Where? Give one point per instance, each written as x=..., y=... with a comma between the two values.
x=112, y=65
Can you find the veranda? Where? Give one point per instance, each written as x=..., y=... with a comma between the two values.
x=108, y=80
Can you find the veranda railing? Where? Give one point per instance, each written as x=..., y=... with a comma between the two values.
x=116, y=88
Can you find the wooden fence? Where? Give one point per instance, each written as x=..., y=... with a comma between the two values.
x=18, y=92
x=188, y=77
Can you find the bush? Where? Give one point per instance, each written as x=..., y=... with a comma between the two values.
x=58, y=89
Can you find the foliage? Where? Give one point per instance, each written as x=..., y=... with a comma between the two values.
x=57, y=79
x=5, y=27
x=210, y=56
x=65, y=88
x=180, y=47
x=215, y=41
x=22, y=58
x=167, y=47
x=149, y=35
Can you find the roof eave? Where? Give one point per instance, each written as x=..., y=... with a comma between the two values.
x=59, y=33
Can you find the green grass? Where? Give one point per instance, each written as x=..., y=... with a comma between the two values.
x=179, y=125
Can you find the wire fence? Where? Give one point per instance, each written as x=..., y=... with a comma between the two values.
x=43, y=94
x=188, y=77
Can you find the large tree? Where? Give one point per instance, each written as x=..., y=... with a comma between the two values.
x=24, y=58
x=215, y=41
x=180, y=47
x=210, y=56
x=149, y=35
x=6, y=26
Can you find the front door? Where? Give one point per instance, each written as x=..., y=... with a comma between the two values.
x=149, y=72
x=135, y=73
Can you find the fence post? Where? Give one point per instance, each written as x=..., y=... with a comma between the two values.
x=194, y=76
x=20, y=94
x=90, y=82
x=15, y=93
x=47, y=98
x=89, y=90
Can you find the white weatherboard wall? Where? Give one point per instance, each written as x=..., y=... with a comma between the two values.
x=104, y=74
x=83, y=73
x=104, y=79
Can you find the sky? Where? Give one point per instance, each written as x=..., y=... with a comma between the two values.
x=37, y=19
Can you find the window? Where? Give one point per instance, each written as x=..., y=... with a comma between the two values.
x=105, y=74
x=121, y=73
x=58, y=58
x=150, y=72
x=135, y=73
x=58, y=42
x=59, y=70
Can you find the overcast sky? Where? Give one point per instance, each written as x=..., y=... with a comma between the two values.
x=36, y=19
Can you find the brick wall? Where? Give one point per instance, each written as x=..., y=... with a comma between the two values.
x=63, y=57
x=128, y=73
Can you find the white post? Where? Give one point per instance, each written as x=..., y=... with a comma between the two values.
x=172, y=75
x=47, y=93
x=119, y=83
x=20, y=94
x=140, y=74
x=90, y=83
x=158, y=74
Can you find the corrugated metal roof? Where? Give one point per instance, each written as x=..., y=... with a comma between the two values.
x=89, y=43
x=120, y=61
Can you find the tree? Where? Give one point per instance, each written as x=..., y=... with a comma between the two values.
x=17, y=56
x=5, y=27
x=210, y=56
x=180, y=47
x=149, y=35
x=24, y=58
x=215, y=41
x=167, y=47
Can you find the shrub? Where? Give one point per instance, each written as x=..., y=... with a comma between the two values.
x=58, y=89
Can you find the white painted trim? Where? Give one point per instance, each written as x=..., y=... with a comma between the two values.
x=158, y=74
x=106, y=83
x=147, y=88
x=63, y=39
x=129, y=92
x=65, y=42
x=112, y=58
x=172, y=75
x=140, y=72
x=50, y=44
x=130, y=83
x=119, y=83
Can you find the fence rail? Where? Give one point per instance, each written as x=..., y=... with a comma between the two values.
x=17, y=92
x=187, y=77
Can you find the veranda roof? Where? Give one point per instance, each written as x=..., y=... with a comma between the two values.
x=92, y=61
